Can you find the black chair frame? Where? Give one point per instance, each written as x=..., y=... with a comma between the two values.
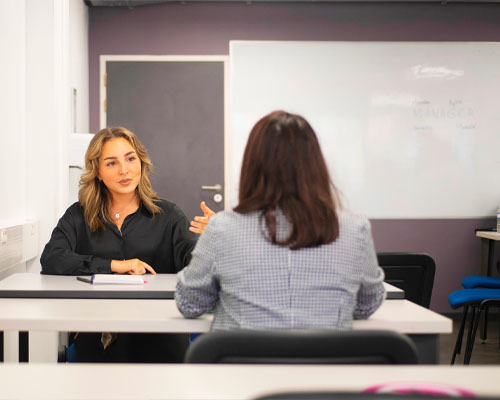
x=476, y=309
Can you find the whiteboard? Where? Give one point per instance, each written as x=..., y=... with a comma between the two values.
x=408, y=129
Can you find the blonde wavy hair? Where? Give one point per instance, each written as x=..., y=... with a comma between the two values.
x=93, y=194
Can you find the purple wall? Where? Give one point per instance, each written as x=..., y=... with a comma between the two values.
x=451, y=242
x=196, y=28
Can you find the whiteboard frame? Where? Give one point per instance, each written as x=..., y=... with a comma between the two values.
x=382, y=215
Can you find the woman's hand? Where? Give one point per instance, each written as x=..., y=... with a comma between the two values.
x=199, y=224
x=133, y=267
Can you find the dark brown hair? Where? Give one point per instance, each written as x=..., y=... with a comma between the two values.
x=283, y=168
x=94, y=196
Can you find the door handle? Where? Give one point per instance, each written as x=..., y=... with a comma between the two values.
x=217, y=187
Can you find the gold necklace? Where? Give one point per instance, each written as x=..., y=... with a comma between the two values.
x=117, y=214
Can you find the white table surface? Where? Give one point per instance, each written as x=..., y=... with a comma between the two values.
x=44, y=318
x=37, y=285
x=488, y=235
x=95, y=315
x=393, y=292
x=222, y=382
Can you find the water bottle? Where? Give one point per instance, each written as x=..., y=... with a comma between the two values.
x=498, y=219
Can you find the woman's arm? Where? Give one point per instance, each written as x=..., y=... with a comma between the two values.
x=199, y=224
x=59, y=256
x=133, y=266
x=371, y=293
x=197, y=290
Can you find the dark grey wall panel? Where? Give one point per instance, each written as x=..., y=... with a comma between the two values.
x=177, y=111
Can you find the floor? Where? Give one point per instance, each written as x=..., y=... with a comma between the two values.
x=486, y=352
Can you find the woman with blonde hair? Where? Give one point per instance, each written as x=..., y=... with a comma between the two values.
x=120, y=225
x=288, y=256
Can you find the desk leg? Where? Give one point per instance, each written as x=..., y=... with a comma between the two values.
x=43, y=346
x=11, y=346
x=427, y=348
x=487, y=252
x=484, y=255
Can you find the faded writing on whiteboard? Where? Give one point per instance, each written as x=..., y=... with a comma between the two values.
x=443, y=113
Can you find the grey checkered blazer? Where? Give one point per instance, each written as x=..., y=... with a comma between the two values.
x=253, y=284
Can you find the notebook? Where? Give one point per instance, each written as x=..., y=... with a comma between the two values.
x=112, y=279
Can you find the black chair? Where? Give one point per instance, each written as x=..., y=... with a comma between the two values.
x=412, y=272
x=409, y=395
x=302, y=347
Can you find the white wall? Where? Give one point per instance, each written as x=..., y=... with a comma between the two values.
x=36, y=77
x=79, y=63
x=13, y=113
x=45, y=81
x=79, y=80
x=12, y=106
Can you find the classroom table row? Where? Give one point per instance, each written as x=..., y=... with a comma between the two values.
x=44, y=318
x=234, y=382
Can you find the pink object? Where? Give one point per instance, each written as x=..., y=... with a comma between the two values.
x=436, y=389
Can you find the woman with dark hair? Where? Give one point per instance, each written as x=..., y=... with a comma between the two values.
x=120, y=225
x=287, y=256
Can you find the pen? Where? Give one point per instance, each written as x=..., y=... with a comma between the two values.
x=84, y=279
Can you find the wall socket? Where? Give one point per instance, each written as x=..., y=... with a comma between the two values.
x=3, y=237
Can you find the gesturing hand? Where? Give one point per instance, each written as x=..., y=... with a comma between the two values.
x=133, y=266
x=199, y=224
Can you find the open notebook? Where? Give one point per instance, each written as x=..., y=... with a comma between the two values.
x=112, y=279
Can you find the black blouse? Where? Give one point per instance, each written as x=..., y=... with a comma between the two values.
x=162, y=240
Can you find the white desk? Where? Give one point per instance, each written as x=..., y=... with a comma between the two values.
x=488, y=235
x=161, y=286
x=48, y=316
x=32, y=286
x=97, y=315
x=222, y=382
x=28, y=285
x=393, y=292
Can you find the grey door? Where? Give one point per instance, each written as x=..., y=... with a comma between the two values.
x=176, y=108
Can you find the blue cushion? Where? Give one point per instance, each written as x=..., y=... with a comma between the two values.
x=481, y=282
x=193, y=336
x=71, y=353
x=462, y=297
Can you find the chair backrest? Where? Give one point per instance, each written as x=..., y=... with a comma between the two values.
x=408, y=395
x=303, y=347
x=412, y=272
